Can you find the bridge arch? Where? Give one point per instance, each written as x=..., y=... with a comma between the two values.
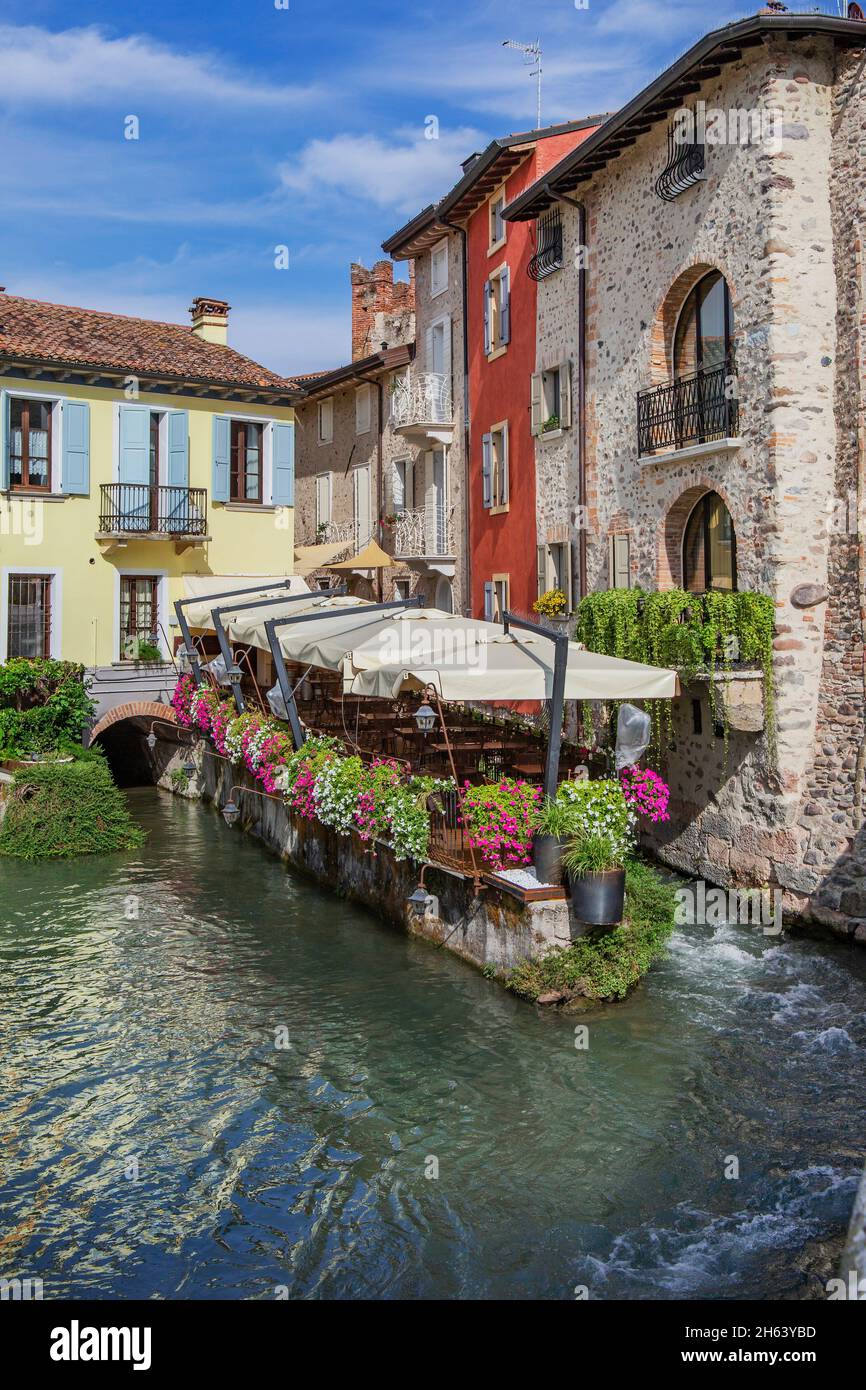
x=137, y=709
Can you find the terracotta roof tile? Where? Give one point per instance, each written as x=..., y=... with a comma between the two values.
x=61, y=333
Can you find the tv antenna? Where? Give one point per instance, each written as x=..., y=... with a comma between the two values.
x=532, y=54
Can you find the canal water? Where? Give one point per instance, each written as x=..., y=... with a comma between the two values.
x=157, y=1142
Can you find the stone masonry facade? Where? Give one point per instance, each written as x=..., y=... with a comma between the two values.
x=782, y=220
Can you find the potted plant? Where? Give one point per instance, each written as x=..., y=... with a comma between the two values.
x=552, y=832
x=602, y=826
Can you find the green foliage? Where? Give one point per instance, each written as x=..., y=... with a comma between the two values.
x=600, y=823
x=694, y=633
x=179, y=779
x=44, y=705
x=143, y=650
x=608, y=965
x=60, y=810
x=555, y=818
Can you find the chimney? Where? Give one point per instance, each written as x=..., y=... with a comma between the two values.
x=382, y=311
x=210, y=320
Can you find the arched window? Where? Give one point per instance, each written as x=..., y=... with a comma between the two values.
x=709, y=547
x=705, y=326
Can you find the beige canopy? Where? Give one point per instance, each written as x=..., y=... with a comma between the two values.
x=382, y=654
x=313, y=557
x=198, y=615
x=372, y=557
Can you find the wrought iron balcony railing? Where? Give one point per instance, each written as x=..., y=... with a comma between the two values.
x=686, y=158
x=548, y=256
x=136, y=509
x=428, y=531
x=420, y=400
x=693, y=409
x=350, y=533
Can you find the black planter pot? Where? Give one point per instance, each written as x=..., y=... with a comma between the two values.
x=547, y=858
x=598, y=899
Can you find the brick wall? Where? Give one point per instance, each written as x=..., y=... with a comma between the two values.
x=382, y=310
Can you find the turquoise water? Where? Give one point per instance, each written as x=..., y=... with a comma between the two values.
x=156, y=1142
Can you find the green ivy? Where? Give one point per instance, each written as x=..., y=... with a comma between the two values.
x=697, y=634
x=44, y=705
x=62, y=810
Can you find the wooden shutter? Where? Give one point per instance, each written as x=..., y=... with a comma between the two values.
x=536, y=402
x=76, y=448
x=620, y=569
x=134, y=444
x=221, y=446
x=487, y=470
x=489, y=601
x=505, y=301
x=283, y=464
x=488, y=287
x=5, y=441
x=541, y=569
x=565, y=395
x=177, y=472
x=505, y=489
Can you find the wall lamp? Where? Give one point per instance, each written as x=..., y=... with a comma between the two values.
x=232, y=811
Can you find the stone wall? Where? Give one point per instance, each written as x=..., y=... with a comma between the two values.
x=780, y=220
x=491, y=929
x=381, y=309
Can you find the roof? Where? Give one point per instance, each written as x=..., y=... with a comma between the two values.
x=317, y=384
x=703, y=60
x=36, y=332
x=417, y=236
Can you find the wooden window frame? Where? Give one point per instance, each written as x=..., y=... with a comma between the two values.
x=503, y=472
x=125, y=635
x=25, y=484
x=493, y=245
x=700, y=515
x=47, y=581
x=238, y=463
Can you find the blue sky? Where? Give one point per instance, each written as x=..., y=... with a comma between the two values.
x=262, y=126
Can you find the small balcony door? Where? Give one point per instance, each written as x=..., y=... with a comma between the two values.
x=434, y=501
x=362, y=507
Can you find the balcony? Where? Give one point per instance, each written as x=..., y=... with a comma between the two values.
x=350, y=533
x=548, y=239
x=698, y=410
x=425, y=539
x=135, y=511
x=421, y=406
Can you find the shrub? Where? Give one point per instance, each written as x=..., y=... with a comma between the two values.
x=62, y=810
x=601, y=824
x=44, y=705
x=500, y=818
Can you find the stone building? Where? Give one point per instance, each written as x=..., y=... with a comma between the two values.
x=425, y=487
x=712, y=291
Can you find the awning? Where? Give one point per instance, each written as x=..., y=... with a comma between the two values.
x=198, y=615
x=382, y=654
x=372, y=557
x=313, y=557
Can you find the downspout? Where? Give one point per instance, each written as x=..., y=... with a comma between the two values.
x=380, y=496
x=467, y=548
x=581, y=380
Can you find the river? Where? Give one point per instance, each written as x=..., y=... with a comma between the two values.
x=424, y=1134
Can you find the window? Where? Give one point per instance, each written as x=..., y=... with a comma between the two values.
x=323, y=501
x=402, y=588
x=439, y=269
x=30, y=444
x=496, y=598
x=494, y=467
x=497, y=221
x=705, y=327
x=246, y=462
x=620, y=561
x=554, y=569
x=710, y=547
x=154, y=449
x=397, y=390
x=326, y=420
x=362, y=409
x=139, y=617
x=29, y=616
x=404, y=485
x=550, y=398
x=497, y=311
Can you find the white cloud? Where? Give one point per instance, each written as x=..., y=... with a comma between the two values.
x=88, y=67
x=404, y=174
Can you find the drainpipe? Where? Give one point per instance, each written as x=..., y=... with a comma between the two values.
x=380, y=495
x=581, y=379
x=467, y=548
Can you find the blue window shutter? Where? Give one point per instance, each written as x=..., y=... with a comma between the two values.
x=505, y=467
x=134, y=444
x=487, y=470
x=76, y=447
x=505, y=325
x=489, y=602
x=177, y=473
x=487, y=343
x=283, y=466
x=5, y=441
x=221, y=458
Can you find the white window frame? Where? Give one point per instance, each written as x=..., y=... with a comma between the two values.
x=321, y=438
x=440, y=249
x=363, y=393
x=329, y=479
x=55, y=480
x=142, y=572
x=492, y=244
x=56, y=574
x=407, y=463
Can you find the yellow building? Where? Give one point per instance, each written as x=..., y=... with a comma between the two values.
x=132, y=453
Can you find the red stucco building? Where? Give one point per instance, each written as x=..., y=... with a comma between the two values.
x=501, y=338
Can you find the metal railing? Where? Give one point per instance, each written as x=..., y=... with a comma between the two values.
x=686, y=159
x=421, y=399
x=692, y=409
x=349, y=533
x=548, y=236
x=428, y=531
x=137, y=509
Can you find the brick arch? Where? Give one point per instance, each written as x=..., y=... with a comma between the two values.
x=670, y=545
x=668, y=313
x=147, y=709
